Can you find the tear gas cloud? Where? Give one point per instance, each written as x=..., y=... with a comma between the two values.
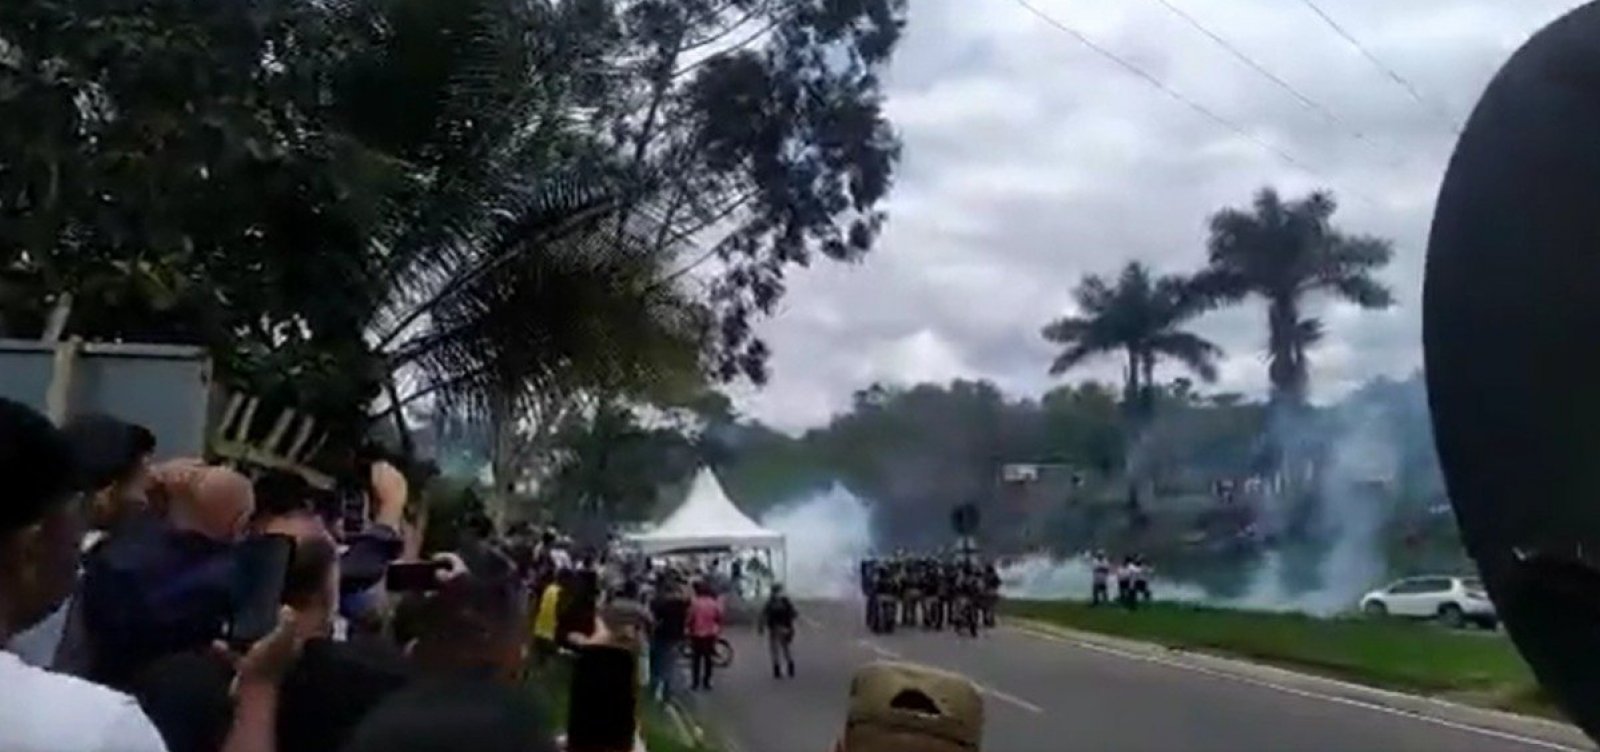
x=825, y=535
x=829, y=532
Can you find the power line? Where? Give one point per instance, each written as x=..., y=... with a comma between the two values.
x=1151, y=79
x=1277, y=80
x=1393, y=75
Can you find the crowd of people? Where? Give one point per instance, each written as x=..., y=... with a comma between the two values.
x=128, y=588
x=961, y=592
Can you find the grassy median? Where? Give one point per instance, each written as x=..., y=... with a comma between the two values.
x=1474, y=667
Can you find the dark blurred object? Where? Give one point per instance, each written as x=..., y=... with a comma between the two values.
x=580, y=594
x=332, y=687
x=413, y=576
x=351, y=501
x=455, y=716
x=108, y=449
x=260, y=568
x=114, y=459
x=186, y=697
x=474, y=626
x=38, y=464
x=367, y=556
x=601, y=715
x=150, y=591
x=1509, y=320
x=280, y=492
x=964, y=519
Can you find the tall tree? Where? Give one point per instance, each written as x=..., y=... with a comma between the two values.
x=491, y=197
x=765, y=121
x=1140, y=317
x=1284, y=252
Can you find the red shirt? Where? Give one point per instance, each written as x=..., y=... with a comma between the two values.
x=705, y=617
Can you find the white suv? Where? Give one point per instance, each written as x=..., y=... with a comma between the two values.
x=1452, y=600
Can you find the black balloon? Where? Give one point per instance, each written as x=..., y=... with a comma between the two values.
x=1511, y=329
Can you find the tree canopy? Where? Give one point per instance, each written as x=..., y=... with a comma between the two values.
x=482, y=201
x=1284, y=251
x=1138, y=315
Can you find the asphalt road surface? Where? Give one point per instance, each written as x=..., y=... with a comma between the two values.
x=1043, y=694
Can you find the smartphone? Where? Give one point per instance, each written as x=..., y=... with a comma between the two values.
x=604, y=700
x=413, y=576
x=259, y=568
x=353, y=512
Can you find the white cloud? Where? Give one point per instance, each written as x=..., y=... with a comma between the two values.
x=1030, y=161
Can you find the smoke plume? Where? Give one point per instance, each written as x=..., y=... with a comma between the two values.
x=826, y=534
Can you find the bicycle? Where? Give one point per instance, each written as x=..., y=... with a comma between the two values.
x=721, y=655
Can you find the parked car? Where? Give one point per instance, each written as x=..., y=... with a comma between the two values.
x=1454, y=601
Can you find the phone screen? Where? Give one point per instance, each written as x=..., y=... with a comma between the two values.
x=260, y=566
x=604, y=700
x=413, y=576
x=352, y=512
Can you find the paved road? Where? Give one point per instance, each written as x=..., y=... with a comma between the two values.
x=1048, y=694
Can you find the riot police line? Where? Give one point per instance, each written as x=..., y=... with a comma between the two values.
x=930, y=593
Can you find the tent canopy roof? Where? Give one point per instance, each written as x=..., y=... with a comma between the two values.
x=707, y=518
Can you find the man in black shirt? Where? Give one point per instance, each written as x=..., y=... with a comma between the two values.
x=777, y=620
x=669, y=612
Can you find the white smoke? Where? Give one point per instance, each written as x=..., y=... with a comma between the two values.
x=1047, y=577
x=1354, y=484
x=826, y=534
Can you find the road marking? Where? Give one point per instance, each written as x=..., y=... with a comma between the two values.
x=1308, y=694
x=880, y=650
x=1007, y=698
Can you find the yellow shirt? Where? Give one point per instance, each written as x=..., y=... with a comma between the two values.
x=544, y=623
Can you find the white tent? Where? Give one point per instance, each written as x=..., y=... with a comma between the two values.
x=706, y=520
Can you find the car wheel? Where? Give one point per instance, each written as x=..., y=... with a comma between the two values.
x=1375, y=609
x=1451, y=616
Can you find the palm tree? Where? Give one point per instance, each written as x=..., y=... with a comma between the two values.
x=1284, y=252
x=1138, y=316
x=508, y=277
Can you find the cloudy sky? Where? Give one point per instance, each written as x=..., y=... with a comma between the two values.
x=1030, y=160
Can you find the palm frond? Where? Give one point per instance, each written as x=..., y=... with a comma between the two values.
x=1093, y=295
x=1363, y=290
x=1067, y=330
x=1195, y=352
x=1071, y=358
x=1308, y=332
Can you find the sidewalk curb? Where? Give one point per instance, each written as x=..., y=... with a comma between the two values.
x=687, y=729
x=1556, y=734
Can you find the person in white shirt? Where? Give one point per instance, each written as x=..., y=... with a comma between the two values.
x=41, y=523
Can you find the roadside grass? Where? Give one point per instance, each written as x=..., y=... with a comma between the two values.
x=1475, y=668
x=549, y=683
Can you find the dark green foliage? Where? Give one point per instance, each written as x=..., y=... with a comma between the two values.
x=489, y=198
x=1285, y=252
x=1139, y=316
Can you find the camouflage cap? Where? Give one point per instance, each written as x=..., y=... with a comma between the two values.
x=901, y=707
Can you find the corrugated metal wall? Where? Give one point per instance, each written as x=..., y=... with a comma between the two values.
x=162, y=387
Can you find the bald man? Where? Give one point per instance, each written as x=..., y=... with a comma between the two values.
x=165, y=586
